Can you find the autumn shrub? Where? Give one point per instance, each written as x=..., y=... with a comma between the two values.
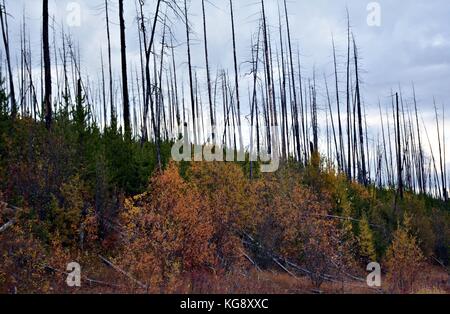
x=168, y=231
x=22, y=261
x=404, y=259
x=232, y=205
x=297, y=227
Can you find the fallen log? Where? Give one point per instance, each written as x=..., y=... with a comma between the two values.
x=7, y=225
x=117, y=268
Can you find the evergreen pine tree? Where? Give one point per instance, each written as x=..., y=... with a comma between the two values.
x=403, y=258
x=365, y=240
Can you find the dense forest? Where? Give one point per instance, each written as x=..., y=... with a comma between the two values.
x=87, y=172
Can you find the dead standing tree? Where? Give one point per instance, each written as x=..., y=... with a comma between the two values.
x=47, y=66
x=349, y=141
x=236, y=77
x=191, y=78
x=294, y=87
x=148, y=96
x=111, y=92
x=338, y=104
x=208, y=75
x=123, y=54
x=399, y=151
x=363, y=171
x=5, y=35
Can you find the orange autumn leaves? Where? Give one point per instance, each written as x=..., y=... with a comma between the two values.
x=168, y=229
x=197, y=224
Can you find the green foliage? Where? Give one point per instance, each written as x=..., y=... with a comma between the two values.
x=39, y=169
x=366, y=243
x=404, y=258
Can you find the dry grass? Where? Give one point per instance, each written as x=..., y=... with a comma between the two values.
x=432, y=281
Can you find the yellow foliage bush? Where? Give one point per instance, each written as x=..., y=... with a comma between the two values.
x=168, y=230
x=232, y=204
x=403, y=259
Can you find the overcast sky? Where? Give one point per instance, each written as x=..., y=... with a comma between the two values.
x=412, y=42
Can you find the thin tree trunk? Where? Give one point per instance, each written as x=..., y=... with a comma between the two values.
x=47, y=66
x=208, y=75
x=332, y=124
x=236, y=78
x=111, y=93
x=191, y=79
x=349, y=144
x=399, y=151
x=363, y=174
x=12, y=96
x=294, y=89
x=441, y=159
x=123, y=54
x=338, y=104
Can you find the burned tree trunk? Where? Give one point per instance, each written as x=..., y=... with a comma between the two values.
x=441, y=159
x=236, y=77
x=399, y=151
x=420, y=148
x=148, y=98
x=4, y=22
x=191, y=79
x=349, y=141
x=363, y=174
x=338, y=104
x=270, y=93
x=208, y=75
x=123, y=54
x=294, y=88
x=47, y=66
x=111, y=93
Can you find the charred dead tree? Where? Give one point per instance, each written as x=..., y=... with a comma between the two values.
x=444, y=174
x=191, y=78
x=123, y=55
x=363, y=170
x=349, y=140
x=399, y=150
x=47, y=66
x=254, y=101
x=113, y=114
x=314, y=117
x=302, y=111
x=142, y=35
x=283, y=95
x=148, y=89
x=105, y=118
x=208, y=75
x=421, y=162
x=338, y=105
x=332, y=124
x=236, y=78
x=385, y=152
x=5, y=35
x=175, y=89
x=271, y=115
x=295, y=111
x=441, y=154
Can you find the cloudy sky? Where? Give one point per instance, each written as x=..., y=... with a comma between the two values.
x=410, y=44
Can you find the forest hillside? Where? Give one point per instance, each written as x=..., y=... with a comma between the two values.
x=89, y=177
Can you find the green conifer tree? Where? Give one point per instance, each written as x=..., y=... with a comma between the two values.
x=365, y=240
